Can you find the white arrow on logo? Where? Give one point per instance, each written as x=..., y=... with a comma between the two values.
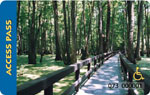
x=0, y=4
x=1, y=93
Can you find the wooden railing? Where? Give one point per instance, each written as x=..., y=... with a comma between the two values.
x=46, y=83
x=128, y=70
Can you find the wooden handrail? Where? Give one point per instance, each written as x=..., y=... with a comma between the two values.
x=130, y=68
x=46, y=82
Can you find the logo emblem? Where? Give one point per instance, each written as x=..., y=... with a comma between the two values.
x=137, y=73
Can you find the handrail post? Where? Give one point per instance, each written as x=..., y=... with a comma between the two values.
x=124, y=69
x=99, y=61
x=130, y=80
x=102, y=58
x=89, y=67
x=125, y=73
x=130, y=77
x=95, y=64
x=49, y=90
x=77, y=75
x=146, y=90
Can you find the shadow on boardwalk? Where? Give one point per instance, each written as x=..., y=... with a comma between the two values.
x=98, y=83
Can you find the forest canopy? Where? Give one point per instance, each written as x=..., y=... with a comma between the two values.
x=71, y=28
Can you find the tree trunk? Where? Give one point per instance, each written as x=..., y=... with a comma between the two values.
x=69, y=28
x=18, y=13
x=32, y=44
x=76, y=28
x=100, y=27
x=112, y=28
x=80, y=34
x=92, y=44
x=73, y=19
x=124, y=31
x=148, y=39
x=66, y=35
x=130, y=31
x=108, y=26
x=40, y=29
x=140, y=28
x=50, y=41
x=57, y=43
x=147, y=31
x=89, y=30
x=84, y=28
x=142, y=45
x=19, y=30
x=29, y=26
x=127, y=27
x=84, y=21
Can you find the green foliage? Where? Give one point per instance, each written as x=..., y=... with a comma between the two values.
x=27, y=72
x=144, y=64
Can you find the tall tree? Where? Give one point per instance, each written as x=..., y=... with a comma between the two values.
x=140, y=28
x=100, y=27
x=57, y=38
x=18, y=29
x=73, y=19
x=18, y=13
x=147, y=31
x=84, y=21
x=29, y=25
x=127, y=27
x=81, y=27
x=124, y=30
x=43, y=33
x=66, y=34
x=108, y=25
x=32, y=44
x=130, y=8
x=91, y=6
x=142, y=45
x=68, y=23
x=84, y=28
x=113, y=26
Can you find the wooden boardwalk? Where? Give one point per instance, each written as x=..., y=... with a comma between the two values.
x=109, y=72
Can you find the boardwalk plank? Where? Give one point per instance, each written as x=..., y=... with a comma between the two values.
x=110, y=72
